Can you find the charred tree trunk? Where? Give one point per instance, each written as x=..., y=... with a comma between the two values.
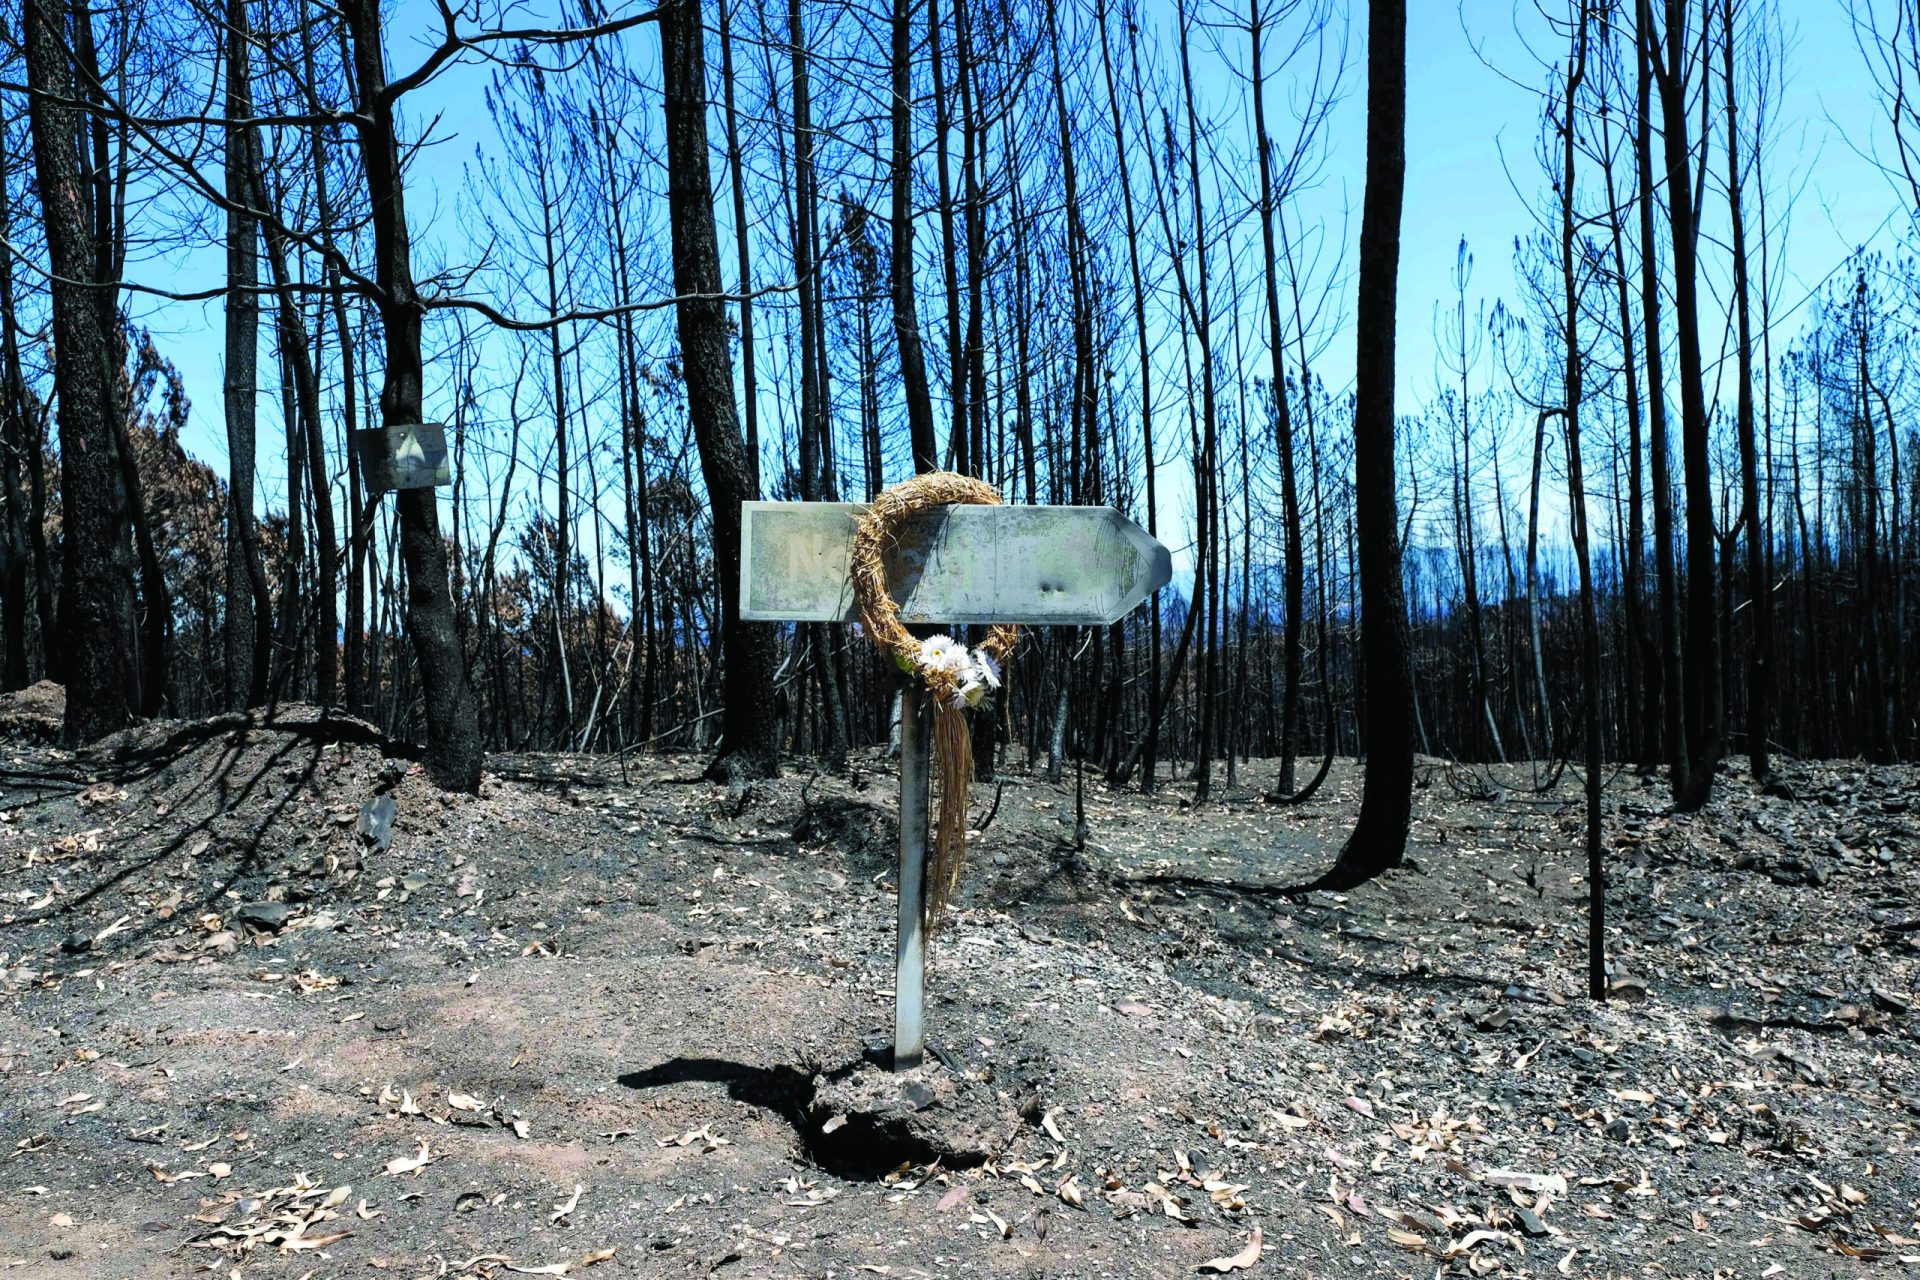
x=1150, y=756
x=454, y=750
x=1574, y=393
x=749, y=396
x=748, y=728
x=249, y=626
x=1643, y=665
x=1704, y=699
x=353, y=643
x=1666, y=571
x=1295, y=571
x=297, y=354
x=97, y=624
x=1760, y=646
x=21, y=581
x=1379, y=838
x=906, y=321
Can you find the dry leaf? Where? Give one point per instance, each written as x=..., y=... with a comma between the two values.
x=1239, y=1261
x=598, y=1255
x=295, y=1243
x=704, y=1135
x=573, y=1202
x=160, y=1173
x=464, y=1102
x=1527, y=1181
x=410, y=1164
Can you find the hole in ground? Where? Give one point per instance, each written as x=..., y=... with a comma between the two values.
x=864, y=1147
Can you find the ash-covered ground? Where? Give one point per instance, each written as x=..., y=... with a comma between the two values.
x=607, y=1019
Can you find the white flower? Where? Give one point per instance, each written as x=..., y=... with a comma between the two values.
x=943, y=653
x=988, y=669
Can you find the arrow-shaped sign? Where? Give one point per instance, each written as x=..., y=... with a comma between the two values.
x=1040, y=566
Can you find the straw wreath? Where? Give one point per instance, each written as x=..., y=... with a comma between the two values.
x=955, y=678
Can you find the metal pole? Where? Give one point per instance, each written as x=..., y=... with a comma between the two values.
x=910, y=956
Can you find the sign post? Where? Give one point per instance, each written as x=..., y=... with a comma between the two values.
x=958, y=565
x=910, y=947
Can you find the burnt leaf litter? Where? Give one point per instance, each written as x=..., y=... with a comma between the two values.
x=270, y=1005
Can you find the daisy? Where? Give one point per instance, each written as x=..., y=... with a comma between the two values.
x=988, y=669
x=943, y=653
x=971, y=692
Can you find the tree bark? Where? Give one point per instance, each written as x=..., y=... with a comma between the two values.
x=96, y=623
x=1150, y=761
x=748, y=727
x=906, y=321
x=1760, y=645
x=1666, y=571
x=454, y=753
x=298, y=354
x=748, y=392
x=1704, y=699
x=1574, y=393
x=1295, y=571
x=21, y=582
x=249, y=626
x=1379, y=837
x=1643, y=665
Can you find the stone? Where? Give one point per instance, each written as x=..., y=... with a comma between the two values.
x=269, y=916
x=376, y=821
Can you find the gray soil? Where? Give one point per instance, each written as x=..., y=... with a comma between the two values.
x=606, y=1021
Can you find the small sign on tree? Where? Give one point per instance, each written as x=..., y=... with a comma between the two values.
x=409, y=456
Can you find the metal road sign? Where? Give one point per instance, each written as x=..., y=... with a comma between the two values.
x=404, y=457
x=1039, y=566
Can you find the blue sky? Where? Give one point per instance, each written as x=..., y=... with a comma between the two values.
x=1465, y=110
